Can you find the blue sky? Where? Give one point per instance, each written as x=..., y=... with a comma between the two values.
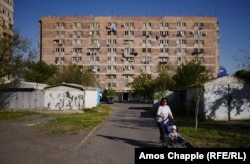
x=232, y=16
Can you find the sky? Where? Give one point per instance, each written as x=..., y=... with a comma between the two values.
x=232, y=15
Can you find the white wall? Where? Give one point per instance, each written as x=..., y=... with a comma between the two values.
x=90, y=98
x=25, y=100
x=215, y=102
x=63, y=98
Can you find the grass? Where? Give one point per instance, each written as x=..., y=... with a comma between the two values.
x=210, y=134
x=59, y=124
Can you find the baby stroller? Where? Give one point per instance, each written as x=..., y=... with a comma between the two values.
x=173, y=137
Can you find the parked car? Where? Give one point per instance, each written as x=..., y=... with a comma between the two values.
x=110, y=100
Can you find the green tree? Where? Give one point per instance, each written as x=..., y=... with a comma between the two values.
x=109, y=92
x=89, y=78
x=244, y=74
x=163, y=82
x=39, y=72
x=143, y=84
x=15, y=53
x=73, y=74
x=192, y=74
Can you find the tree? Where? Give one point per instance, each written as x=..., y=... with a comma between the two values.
x=244, y=74
x=243, y=59
x=89, y=78
x=192, y=74
x=143, y=84
x=39, y=72
x=162, y=83
x=73, y=74
x=15, y=53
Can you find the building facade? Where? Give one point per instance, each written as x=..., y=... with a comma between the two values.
x=6, y=17
x=6, y=31
x=117, y=49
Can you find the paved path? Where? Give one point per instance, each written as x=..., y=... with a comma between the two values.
x=113, y=142
x=128, y=128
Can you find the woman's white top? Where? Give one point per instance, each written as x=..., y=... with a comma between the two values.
x=164, y=111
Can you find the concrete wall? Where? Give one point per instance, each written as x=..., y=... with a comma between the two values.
x=90, y=98
x=42, y=97
x=24, y=100
x=215, y=101
x=63, y=98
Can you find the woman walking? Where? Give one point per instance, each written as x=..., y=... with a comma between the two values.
x=162, y=116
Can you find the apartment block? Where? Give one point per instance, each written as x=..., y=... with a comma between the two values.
x=6, y=17
x=118, y=48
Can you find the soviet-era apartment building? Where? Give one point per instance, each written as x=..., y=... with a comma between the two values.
x=117, y=49
x=6, y=17
x=6, y=29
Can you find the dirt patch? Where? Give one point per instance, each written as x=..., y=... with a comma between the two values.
x=20, y=143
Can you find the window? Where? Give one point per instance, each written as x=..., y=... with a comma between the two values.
x=129, y=24
x=111, y=85
x=111, y=41
x=94, y=33
x=146, y=59
x=112, y=50
x=111, y=67
x=77, y=41
x=163, y=33
x=199, y=42
x=181, y=50
x=181, y=33
x=128, y=67
x=94, y=24
x=146, y=24
x=163, y=24
x=60, y=33
x=128, y=51
x=198, y=24
x=146, y=50
x=94, y=58
x=59, y=24
x=146, y=33
x=129, y=33
x=128, y=76
x=77, y=59
x=59, y=50
x=163, y=50
x=94, y=41
x=77, y=50
x=93, y=51
x=181, y=24
x=146, y=41
x=59, y=42
x=181, y=59
x=112, y=76
x=77, y=34
x=163, y=59
x=59, y=60
x=199, y=59
x=111, y=58
x=77, y=24
x=163, y=41
x=94, y=68
x=181, y=41
x=128, y=41
x=146, y=67
x=199, y=33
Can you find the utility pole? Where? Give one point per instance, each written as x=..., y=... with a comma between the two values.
x=229, y=100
